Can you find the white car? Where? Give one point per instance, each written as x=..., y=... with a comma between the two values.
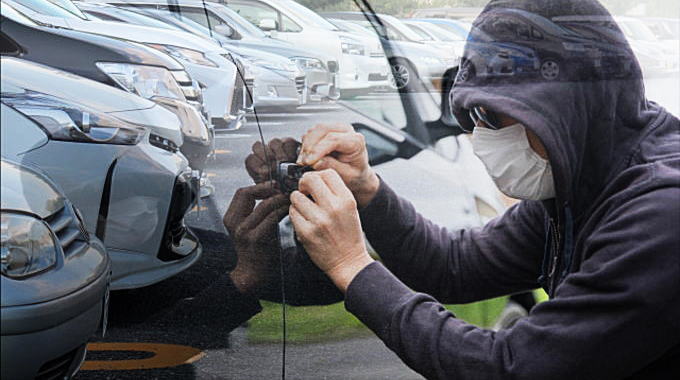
x=437, y=36
x=408, y=57
x=655, y=56
x=207, y=63
x=132, y=195
x=290, y=21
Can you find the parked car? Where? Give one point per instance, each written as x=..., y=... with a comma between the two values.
x=132, y=195
x=55, y=275
x=408, y=57
x=218, y=22
x=656, y=56
x=222, y=86
x=290, y=21
x=458, y=27
x=151, y=75
x=438, y=35
x=277, y=81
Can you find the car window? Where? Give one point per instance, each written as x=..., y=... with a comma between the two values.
x=15, y=15
x=243, y=25
x=256, y=12
x=421, y=33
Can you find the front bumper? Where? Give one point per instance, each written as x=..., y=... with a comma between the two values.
x=198, y=137
x=278, y=89
x=177, y=250
x=47, y=339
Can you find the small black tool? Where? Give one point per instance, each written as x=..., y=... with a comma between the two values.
x=288, y=175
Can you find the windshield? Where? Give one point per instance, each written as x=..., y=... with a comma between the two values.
x=50, y=8
x=401, y=27
x=309, y=15
x=440, y=33
x=15, y=15
x=241, y=24
x=423, y=34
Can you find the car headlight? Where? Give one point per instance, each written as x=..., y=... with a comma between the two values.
x=184, y=54
x=351, y=47
x=145, y=81
x=306, y=63
x=277, y=66
x=27, y=245
x=67, y=122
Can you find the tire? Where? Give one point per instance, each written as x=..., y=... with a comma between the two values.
x=551, y=69
x=512, y=313
x=403, y=75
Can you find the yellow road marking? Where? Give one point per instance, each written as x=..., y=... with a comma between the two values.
x=165, y=356
x=222, y=151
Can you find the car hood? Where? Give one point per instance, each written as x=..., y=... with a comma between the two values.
x=24, y=74
x=279, y=47
x=145, y=34
x=26, y=190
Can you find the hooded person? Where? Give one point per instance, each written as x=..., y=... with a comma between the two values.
x=598, y=166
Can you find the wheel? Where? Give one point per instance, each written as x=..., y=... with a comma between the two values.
x=512, y=313
x=402, y=74
x=550, y=69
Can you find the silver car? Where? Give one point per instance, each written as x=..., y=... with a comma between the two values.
x=55, y=278
x=133, y=195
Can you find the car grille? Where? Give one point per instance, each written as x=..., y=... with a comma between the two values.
x=237, y=101
x=183, y=197
x=56, y=368
x=69, y=229
x=250, y=85
x=300, y=84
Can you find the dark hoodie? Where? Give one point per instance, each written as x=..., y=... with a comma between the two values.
x=606, y=249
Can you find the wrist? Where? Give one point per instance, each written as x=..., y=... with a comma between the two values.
x=343, y=274
x=365, y=194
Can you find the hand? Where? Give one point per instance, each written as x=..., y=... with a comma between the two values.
x=340, y=148
x=276, y=150
x=254, y=233
x=329, y=226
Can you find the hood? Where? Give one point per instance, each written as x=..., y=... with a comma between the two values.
x=589, y=118
x=145, y=34
x=28, y=75
x=25, y=190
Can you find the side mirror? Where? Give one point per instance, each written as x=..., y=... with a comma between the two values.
x=224, y=30
x=384, y=144
x=267, y=24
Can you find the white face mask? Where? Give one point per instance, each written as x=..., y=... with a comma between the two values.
x=518, y=171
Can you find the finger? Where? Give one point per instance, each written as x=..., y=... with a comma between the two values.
x=344, y=143
x=276, y=146
x=265, y=229
x=306, y=207
x=333, y=163
x=335, y=184
x=266, y=207
x=303, y=227
x=313, y=184
x=316, y=133
x=243, y=202
x=290, y=148
x=257, y=169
